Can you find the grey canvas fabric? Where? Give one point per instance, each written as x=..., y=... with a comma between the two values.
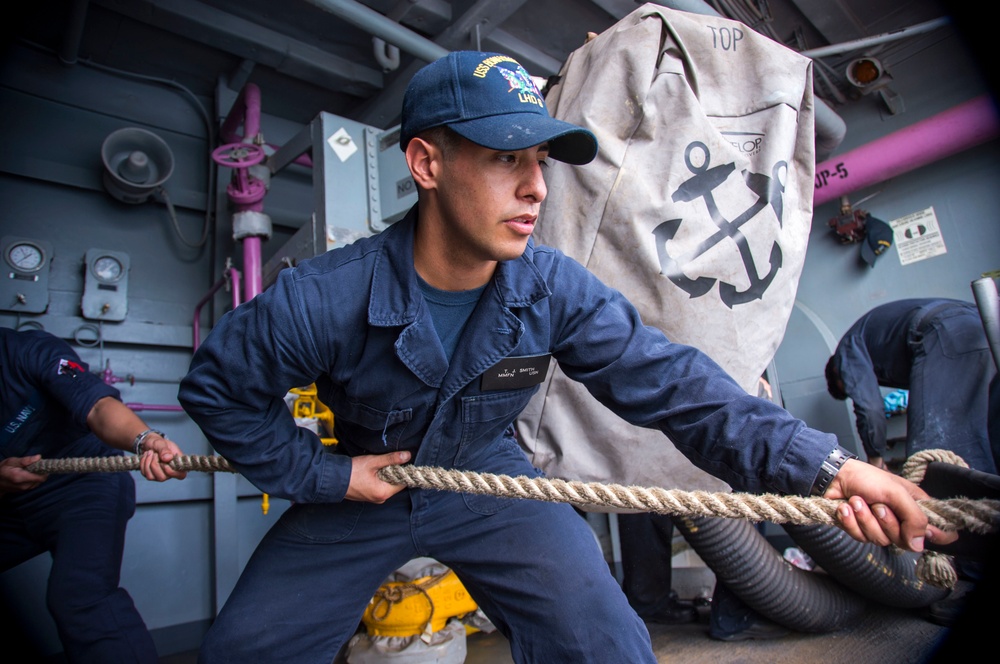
x=697, y=208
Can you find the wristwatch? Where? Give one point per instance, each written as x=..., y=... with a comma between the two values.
x=831, y=466
x=138, y=441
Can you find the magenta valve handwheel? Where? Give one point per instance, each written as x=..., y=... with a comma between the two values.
x=238, y=155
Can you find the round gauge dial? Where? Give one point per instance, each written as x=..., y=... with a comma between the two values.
x=25, y=256
x=108, y=268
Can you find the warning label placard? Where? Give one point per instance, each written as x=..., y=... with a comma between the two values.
x=917, y=236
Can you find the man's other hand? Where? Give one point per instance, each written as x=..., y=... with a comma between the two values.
x=881, y=508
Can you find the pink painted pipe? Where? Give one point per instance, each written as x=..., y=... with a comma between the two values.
x=964, y=126
x=246, y=111
x=253, y=281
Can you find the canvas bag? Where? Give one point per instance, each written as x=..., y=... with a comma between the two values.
x=697, y=208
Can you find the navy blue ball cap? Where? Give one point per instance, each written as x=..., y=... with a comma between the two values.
x=491, y=100
x=878, y=238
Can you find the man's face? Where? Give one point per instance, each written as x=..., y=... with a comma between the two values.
x=489, y=200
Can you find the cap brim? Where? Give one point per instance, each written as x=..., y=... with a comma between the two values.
x=868, y=254
x=518, y=131
x=878, y=239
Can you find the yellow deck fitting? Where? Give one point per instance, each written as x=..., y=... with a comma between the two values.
x=407, y=608
x=307, y=406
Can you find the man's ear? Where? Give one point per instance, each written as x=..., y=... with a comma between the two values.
x=423, y=158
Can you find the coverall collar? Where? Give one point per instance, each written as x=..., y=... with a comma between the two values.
x=493, y=330
x=395, y=293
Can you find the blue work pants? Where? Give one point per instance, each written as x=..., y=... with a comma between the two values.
x=647, y=559
x=950, y=382
x=534, y=568
x=81, y=520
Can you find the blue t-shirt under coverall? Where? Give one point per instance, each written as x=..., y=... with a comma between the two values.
x=46, y=394
x=353, y=321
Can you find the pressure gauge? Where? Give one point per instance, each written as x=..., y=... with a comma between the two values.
x=105, y=285
x=24, y=283
x=25, y=256
x=107, y=268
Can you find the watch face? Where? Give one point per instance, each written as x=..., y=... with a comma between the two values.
x=107, y=268
x=25, y=256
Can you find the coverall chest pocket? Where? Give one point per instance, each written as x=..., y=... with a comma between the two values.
x=369, y=429
x=485, y=418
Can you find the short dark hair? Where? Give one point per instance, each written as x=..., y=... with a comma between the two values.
x=834, y=381
x=444, y=137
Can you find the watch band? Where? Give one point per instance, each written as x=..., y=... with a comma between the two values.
x=141, y=438
x=831, y=466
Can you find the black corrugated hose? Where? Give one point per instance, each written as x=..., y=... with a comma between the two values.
x=885, y=574
x=753, y=569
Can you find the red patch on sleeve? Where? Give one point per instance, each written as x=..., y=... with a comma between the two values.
x=69, y=368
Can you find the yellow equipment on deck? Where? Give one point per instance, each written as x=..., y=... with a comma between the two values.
x=307, y=406
x=423, y=605
x=311, y=413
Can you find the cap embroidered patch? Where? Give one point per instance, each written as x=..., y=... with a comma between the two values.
x=520, y=82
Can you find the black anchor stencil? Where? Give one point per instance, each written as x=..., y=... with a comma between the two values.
x=769, y=190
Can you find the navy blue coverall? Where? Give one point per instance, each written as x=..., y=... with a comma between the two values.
x=46, y=394
x=354, y=321
x=937, y=349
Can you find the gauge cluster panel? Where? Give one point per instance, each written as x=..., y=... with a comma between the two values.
x=25, y=283
x=105, y=285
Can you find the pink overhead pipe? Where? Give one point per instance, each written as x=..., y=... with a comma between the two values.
x=245, y=191
x=246, y=111
x=241, y=151
x=964, y=126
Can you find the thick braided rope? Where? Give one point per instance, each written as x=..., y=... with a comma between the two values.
x=979, y=516
x=206, y=464
x=916, y=466
x=933, y=567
